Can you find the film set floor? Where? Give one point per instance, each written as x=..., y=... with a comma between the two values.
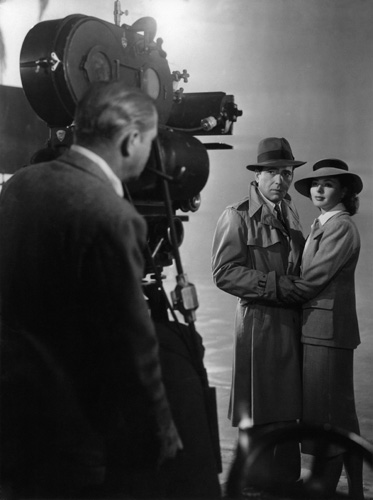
x=228, y=438
x=215, y=323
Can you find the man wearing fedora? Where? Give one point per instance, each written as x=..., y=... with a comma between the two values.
x=256, y=254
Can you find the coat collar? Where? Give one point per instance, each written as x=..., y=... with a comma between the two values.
x=81, y=162
x=321, y=226
x=257, y=202
x=323, y=218
x=95, y=158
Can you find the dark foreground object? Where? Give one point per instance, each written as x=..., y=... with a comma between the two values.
x=50, y=450
x=247, y=479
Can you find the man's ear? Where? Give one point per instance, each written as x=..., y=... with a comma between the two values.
x=124, y=147
x=128, y=142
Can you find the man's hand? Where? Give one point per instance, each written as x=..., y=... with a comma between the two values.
x=288, y=292
x=170, y=443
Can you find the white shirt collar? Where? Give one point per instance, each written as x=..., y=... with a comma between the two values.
x=328, y=215
x=114, y=179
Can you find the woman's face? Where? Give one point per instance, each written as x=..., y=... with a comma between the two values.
x=326, y=193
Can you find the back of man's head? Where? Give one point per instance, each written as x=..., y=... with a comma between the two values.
x=108, y=108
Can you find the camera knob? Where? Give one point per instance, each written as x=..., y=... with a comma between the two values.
x=208, y=123
x=177, y=76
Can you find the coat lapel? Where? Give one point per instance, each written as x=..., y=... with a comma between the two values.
x=312, y=245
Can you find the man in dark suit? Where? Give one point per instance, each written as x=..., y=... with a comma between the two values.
x=73, y=311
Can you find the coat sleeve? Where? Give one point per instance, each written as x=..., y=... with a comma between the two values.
x=232, y=268
x=113, y=269
x=336, y=247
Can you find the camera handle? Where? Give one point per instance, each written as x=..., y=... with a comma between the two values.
x=184, y=296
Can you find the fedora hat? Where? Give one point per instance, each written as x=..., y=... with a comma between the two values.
x=329, y=167
x=274, y=152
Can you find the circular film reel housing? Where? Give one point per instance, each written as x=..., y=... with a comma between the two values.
x=60, y=58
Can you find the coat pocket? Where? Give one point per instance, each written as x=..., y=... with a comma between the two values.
x=318, y=319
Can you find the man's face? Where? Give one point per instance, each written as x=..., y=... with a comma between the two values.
x=274, y=182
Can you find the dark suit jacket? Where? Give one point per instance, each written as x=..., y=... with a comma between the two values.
x=328, y=268
x=71, y=265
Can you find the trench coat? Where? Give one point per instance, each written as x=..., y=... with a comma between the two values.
x=71, y=267
x=250, y=250
x=327, y=280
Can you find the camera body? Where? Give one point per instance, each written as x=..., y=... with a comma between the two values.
x=60, y=58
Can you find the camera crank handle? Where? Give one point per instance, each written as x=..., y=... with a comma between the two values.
x=169, y=178
x=184, y=296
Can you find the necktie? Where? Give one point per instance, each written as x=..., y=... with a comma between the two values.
x=280, y=217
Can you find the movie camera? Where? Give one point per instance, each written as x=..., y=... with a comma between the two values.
x=60, y=58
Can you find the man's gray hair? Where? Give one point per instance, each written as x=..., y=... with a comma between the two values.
x=109, y=107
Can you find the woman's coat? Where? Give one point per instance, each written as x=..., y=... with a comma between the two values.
x=328, y=268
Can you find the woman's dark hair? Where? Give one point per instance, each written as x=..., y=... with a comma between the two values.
x=350, y=200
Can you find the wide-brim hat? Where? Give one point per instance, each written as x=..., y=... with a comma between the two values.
x=274, y=152
x=329, y=167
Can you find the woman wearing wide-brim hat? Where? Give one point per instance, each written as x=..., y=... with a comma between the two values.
x=330, y=331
